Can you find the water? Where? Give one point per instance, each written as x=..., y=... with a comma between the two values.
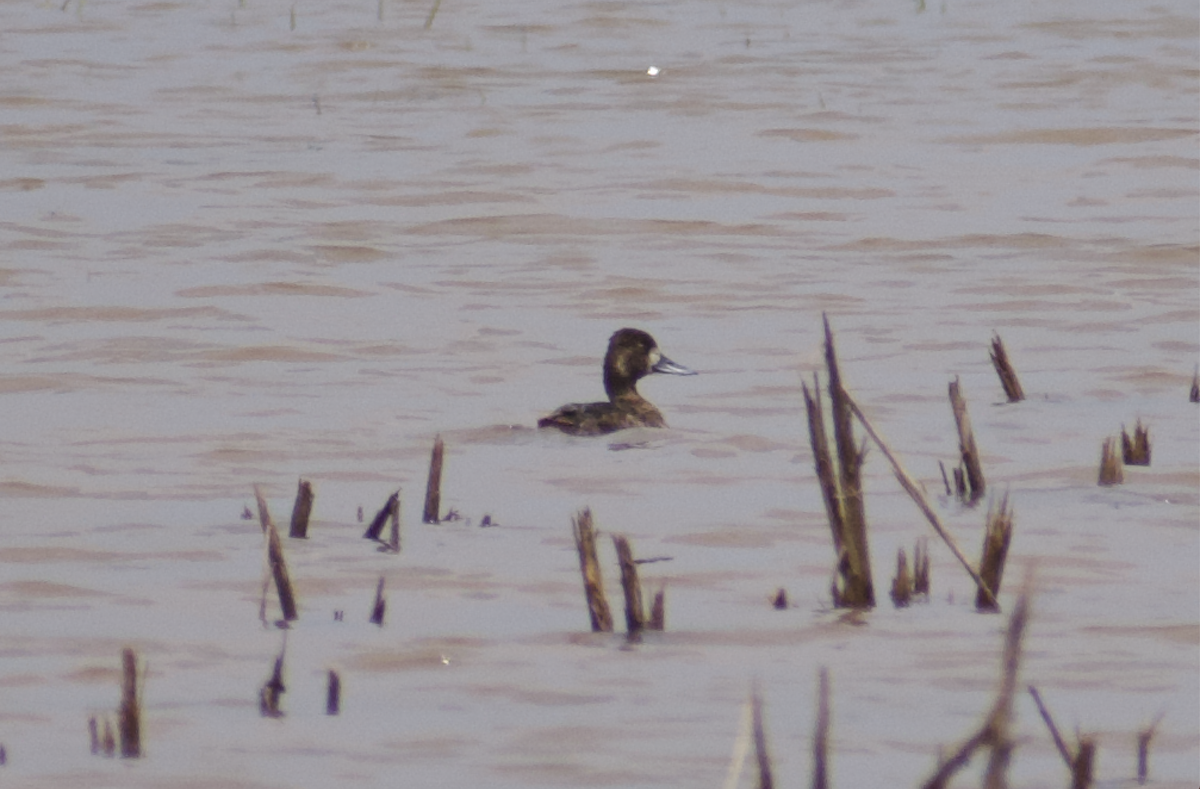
x=245, y=243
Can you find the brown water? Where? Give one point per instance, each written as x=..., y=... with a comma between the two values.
x=244, y=243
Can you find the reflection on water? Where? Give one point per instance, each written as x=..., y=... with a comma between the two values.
x=252, y=243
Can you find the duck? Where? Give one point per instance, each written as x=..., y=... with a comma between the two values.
x=632, y=355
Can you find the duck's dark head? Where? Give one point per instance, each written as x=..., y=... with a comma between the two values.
x=633, y=354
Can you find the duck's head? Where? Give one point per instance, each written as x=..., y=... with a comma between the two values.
x=633, y=354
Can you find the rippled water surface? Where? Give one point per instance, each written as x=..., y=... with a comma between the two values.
x=251, y=242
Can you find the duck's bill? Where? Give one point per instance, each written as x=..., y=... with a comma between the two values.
x=665, y=365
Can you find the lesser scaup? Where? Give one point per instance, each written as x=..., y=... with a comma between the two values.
x=632, y=355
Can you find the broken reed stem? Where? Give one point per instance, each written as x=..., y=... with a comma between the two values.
x=635, y=612
x=1136, y=451
x=129, y=713
x=1081, y=768
x=823, y=460
x=902, y=586
x=763, y=757
x=301, y=511
x=333, y=694
x=433, y=489
x=975, y=485
x=264, y=516
x=393, y=543
x=1111, y=471
x=589, y=568
x=820, y=779
x=375, y=530
x=283, y=584
x=914, y=492
x=271, y=692
x=1059, y=743
x=994, y=733
x=858, y=590
x=1008, y=376
x=380, y=606
x=94, y=734
x=996, y=539
x=109, y=741
x=658, y=611
x=1143, y=747
x=1194, y=395
x=921, y=567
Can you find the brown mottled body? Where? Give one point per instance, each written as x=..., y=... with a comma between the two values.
x=632, y=355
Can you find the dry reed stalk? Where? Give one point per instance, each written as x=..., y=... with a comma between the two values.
x=1111, y=471
x=820, y=779
x=1143, y=748
x=301, y=511
x=283, y=584
x=333, y=694
x=994, y=733
x=433, y=489
x=1059, y=743
x=658, y=611
x=589, y=568
x=380, y=605
x=827, y=478
x=1081, y=768
x=1008, y=376
x=375, y=530
x=921, y=567
x=762, y=755
x=108, y=743
x=859, y=590
x=1194, y=395
x=271, y=692
x=973, y=487
x=129, y=713
x=264, y=516
x=996, y=539
x=635, y=611
x=914, y=492
x=902, y=586
x=1136, y=451
x=393, y=543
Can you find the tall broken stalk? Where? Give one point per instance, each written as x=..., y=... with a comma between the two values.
x=301, y=511
x=589, y=568
x=1004, y=369
x=969, y=480
x=996, y=538
x=841, y=485
x=433, y=488
x=275, y=560
x=635, y=610
x=129, y=713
